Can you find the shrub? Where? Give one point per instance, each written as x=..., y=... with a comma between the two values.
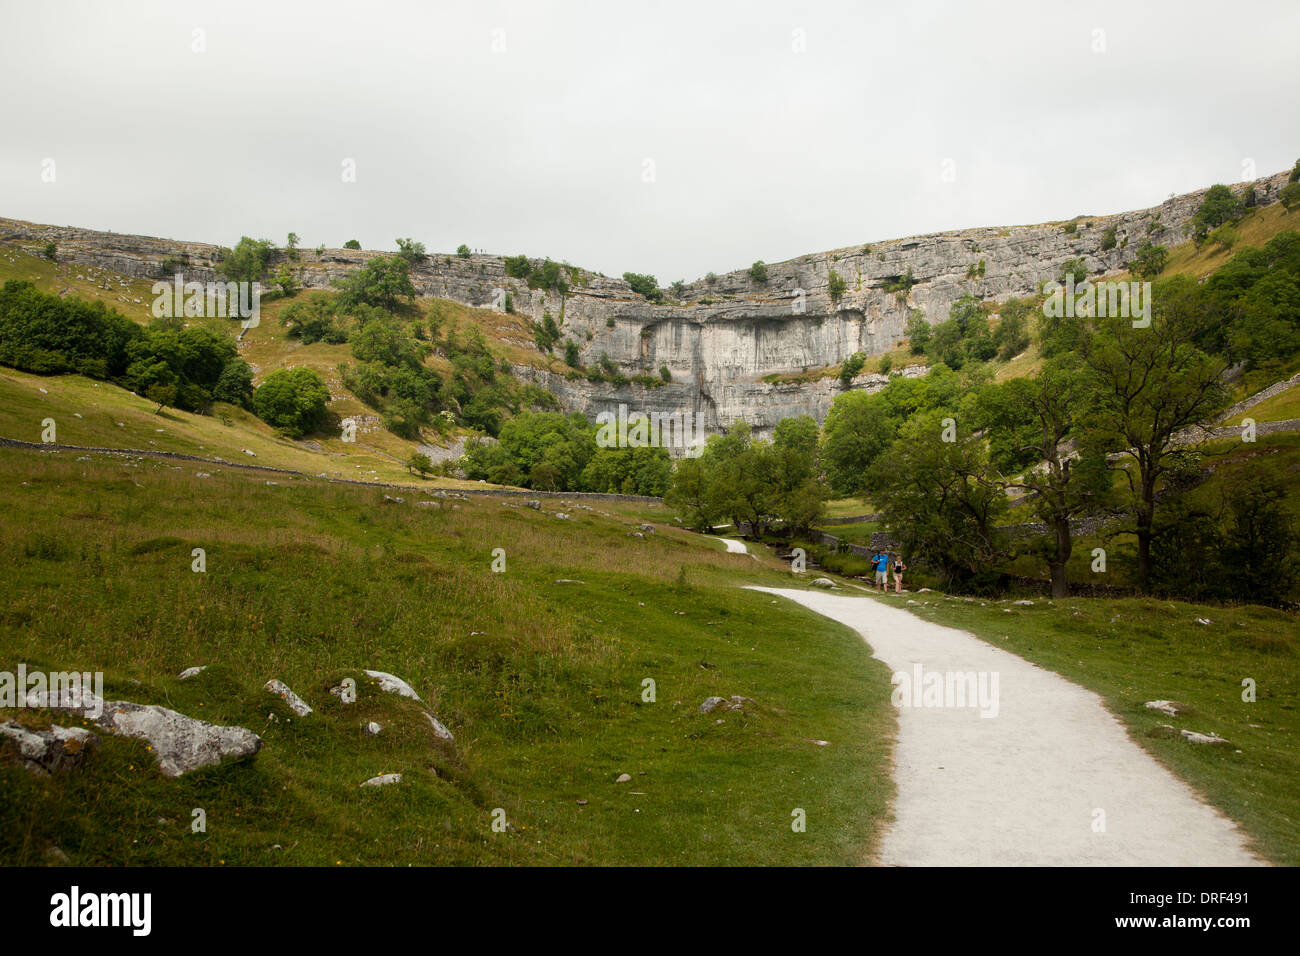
x=645, y=285
x=292, y=400
x=1149, y=261
x=351, y=244
x=50, y=251
x=517, y=267
x=1109, y=238
x=571, y=357
x=665, y=373
x=1290, y=196
x=462, y=251
x=836, y=286
x=758, y=271
x=851, y=367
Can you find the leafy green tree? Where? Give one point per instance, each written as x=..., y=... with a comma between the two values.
x=1290, y=196
x=1151, y=383
x=918, y=332
x=858, y=429
x=937, y=498
x=413, y=252
x=381, y=283
x=248, y=261
x=352, y=244
x=644, y=285
x=462, y=251
x=1108, y=238
x=571, y=356
x=758, y=271
x=1029, y=421
x=1220, y=205
x=419, y=463
x=851, y=367
x=313, y=320
x=292, y=400
x=517, y=267
x=1150, y=260
x=235, y=386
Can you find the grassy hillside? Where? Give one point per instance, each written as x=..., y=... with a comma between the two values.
x=542, y=682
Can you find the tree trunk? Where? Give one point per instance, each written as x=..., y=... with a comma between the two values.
x=1060, y=583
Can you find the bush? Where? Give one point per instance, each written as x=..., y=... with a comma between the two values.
x=247, y=262
x=1290, y=196
x=918, y=331
x=351, y=244
x=1108, y=238
x=292, y=400
x=836, y=286
x=517, y=267
x=665, y=373
x=571, y=357
x=1219, y=206
x=462, y=251
x=851, y=367
x=758, y=271
x=412, y=252
x=645, y=285
x=1149, y=261
x=50, y=251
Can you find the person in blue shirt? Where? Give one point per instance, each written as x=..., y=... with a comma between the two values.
x=881, y=563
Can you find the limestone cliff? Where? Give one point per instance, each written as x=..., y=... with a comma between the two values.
x=725, y=334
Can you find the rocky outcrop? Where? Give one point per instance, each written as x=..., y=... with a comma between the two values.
x=50, y=750
x=726, y=334
x=178, y=743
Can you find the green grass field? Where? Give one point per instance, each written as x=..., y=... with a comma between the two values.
x=541, y=682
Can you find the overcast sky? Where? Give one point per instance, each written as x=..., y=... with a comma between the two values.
x=662, y=137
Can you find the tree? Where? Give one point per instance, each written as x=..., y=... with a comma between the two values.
x=1149, y=261
x=758, y=271
x=1029, y=421
x=517, y=267
x=381, y=283
x=462, y=251
x=352, y=244
x=292, y=400
x=1075, y=268
x=644, y=285
x=412, y=252
x=851, y=367
x=291, y=246
x=313, y=320
x=419, y=463
x=936, y=497
x=247, y=262
x=1290, y=196
x=51, y=250
x=858, y=429
x=1108, y=238
x=1151, y=383
x=235, y=386
x=918, y=332
x=1220, y=205
x=571, y=356
x=836, y=286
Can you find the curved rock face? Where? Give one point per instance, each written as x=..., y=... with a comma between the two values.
x=722, y=337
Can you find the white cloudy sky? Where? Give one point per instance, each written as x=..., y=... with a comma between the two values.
x=759, y=151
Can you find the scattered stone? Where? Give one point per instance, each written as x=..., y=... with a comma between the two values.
x=55, y=855
x=396, y=501
x=821, y=743
x=178, y=743
x=1170, y=707
x=711, y=704
x=373, y=729
x=1194, y=738
x=582, y=803
x=636, y=534
x=562, y=515
x=568, y=581
x=647, y=528
x=624, y=778
x=1203, y=620
x=248, y=453
x=393, y=685
x=439, y=728
x=281, y=690
x=823, y=583
x=192, y=672
x=383, y=780
x=1023, y=603
x=47, y=751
